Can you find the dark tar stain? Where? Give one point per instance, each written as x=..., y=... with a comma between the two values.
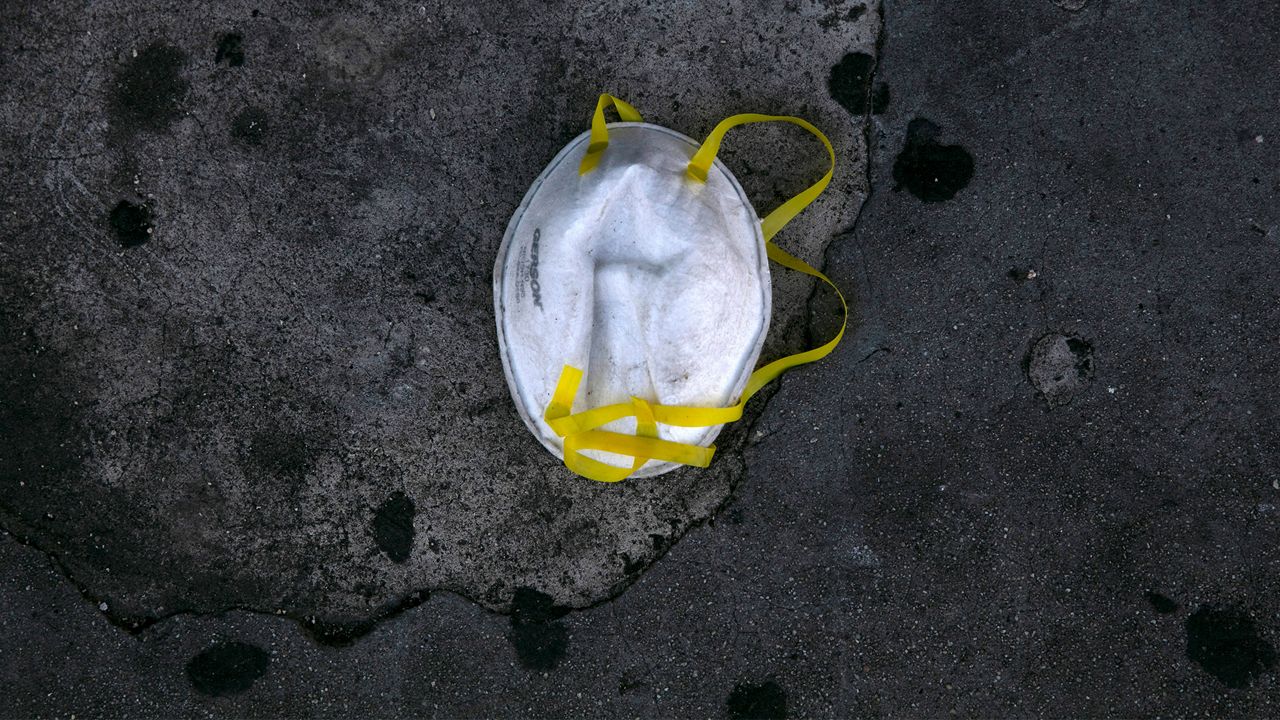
x=131, y=222
x=850, y=82
x=928, y=169
x=1227, y=644
x=393, y=526
x=227, y=668
x=540, y=640
x=764, y=701
x=1161, y=603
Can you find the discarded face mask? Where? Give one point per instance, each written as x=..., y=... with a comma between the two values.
x=633, y=284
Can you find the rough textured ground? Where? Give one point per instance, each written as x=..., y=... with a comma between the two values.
x=1039, y=479
x=249, y=330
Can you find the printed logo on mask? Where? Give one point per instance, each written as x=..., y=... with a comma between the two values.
x=533, y=268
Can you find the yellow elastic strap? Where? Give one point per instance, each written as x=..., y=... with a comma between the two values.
x=763, y=376
x=579, y=430
x=586, y=420
x=647, y=447
x=594, y=469
x=562, y=399
x=600, y=132
x=676, y=415
x=559, y=408
x=643, y=446
x=700, y=165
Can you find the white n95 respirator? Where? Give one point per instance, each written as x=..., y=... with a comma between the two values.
x=633, y=287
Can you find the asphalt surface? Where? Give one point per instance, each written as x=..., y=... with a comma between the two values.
x=256, y=456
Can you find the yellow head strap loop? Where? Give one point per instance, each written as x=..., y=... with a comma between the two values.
x=600, y=132
x=776, y=220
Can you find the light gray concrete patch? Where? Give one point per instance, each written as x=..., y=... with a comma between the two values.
x=248, y=344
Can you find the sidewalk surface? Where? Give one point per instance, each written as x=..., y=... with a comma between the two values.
x=257, y=455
